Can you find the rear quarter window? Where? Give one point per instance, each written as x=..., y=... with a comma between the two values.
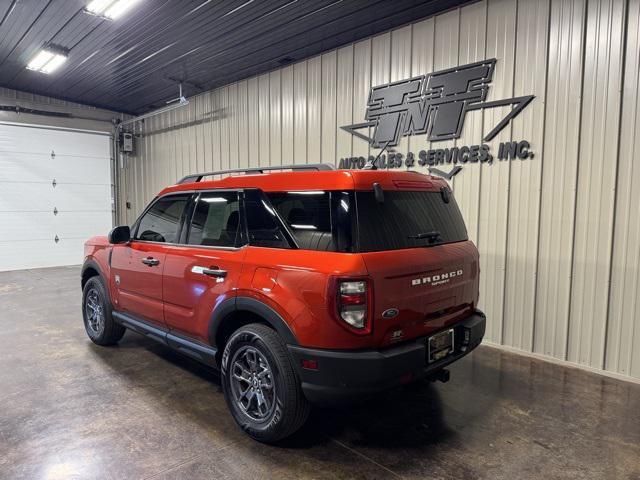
x=263, y=225
x=307, y=214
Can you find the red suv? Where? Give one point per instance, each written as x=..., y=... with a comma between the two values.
x=312, y=285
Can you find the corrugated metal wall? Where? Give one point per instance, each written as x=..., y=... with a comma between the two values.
x=559, y=234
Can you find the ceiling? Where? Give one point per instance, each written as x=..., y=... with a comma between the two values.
x=134, y=64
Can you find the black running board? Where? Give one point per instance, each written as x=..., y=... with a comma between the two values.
x=195, y=350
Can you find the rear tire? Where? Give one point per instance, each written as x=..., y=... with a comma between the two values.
x=260, y=384
x=96, y=313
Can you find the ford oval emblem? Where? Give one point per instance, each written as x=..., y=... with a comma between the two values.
x=390, y=313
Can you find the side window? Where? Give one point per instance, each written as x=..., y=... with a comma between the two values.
x=161, y=222
x=265, y=230
x=343, y=221
x=308, y=216
x=216, y=220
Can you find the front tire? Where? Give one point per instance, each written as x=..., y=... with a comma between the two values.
x=96, y=313
x=260, y=385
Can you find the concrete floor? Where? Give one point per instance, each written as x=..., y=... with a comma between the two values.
x=71, y=409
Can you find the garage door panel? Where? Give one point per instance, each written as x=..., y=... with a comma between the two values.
x=40, y=254
x=34, y=167
x=62, y=142
x=26, y=197
x=31, y=226
x=34, y=197
x=25, y=167
x=82, y=225
x=26, y=226
x=81, y=196
x=90, y=170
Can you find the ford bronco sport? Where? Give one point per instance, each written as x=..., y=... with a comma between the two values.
x=312, y=285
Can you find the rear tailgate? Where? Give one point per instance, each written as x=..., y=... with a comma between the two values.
x=429, y=288
x=424, y=269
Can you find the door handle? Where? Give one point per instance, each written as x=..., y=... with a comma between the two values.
x=152, y=262
x=212, y=272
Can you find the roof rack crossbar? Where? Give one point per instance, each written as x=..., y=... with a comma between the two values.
x=197, y=177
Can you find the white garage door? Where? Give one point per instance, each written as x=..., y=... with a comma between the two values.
x=55, y=192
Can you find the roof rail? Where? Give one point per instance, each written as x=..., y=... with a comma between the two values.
x=197, y=177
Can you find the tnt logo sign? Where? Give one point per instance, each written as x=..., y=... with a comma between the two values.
x=435, y=104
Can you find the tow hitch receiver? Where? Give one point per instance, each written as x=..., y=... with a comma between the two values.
x=441, y=375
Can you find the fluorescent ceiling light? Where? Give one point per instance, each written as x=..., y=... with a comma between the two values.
x=111, y=9
x=41, y=58
x=53, y=64
x=303, y=227
x=98, y=7
x=46, y=61
x=118, y=8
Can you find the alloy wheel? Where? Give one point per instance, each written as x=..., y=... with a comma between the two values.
x=252, y=383
x=94, y=312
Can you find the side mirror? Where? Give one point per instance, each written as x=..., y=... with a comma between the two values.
x=120, y=234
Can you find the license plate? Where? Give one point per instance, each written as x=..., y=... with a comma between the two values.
x=440, y=345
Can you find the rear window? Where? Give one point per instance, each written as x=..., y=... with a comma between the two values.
x=327, y=220
x=407, y=220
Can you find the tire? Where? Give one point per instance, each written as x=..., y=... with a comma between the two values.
x=96, y=313
x=266, y=414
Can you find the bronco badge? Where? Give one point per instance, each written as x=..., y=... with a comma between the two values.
x=436, y=279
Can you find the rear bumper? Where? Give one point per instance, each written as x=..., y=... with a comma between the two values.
x=346, y=375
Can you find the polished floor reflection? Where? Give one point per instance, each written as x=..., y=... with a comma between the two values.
x=70, y=409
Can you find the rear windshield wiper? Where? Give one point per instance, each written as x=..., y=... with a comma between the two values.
x=433, y=237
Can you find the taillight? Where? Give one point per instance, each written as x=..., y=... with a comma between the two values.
x=353, y=304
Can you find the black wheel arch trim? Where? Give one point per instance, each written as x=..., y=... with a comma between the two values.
x=248, y=304
x=90, y=263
